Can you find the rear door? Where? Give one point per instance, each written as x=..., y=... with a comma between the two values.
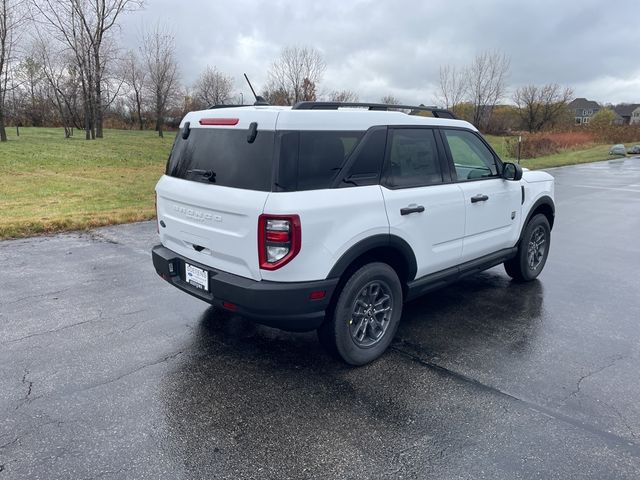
x=422, y=206
x=492, y=204
x=215, y=187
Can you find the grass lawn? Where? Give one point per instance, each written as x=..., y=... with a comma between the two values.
x=49, y=183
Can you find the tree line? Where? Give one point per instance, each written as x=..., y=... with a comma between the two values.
x=60, y=64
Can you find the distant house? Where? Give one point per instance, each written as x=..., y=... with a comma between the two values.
x=583, y=110
x=635, y=116
x=625, y=110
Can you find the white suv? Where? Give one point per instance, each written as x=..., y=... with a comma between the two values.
x=330, y=216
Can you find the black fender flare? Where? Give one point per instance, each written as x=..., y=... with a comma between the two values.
x=370, y=243
x=544, y=200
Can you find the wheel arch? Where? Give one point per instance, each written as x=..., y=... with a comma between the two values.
x=543, y=205
x=389, y=249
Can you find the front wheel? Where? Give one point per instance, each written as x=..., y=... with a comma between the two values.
x=366, y=315
x=533, y=250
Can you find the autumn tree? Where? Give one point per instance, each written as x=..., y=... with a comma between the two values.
x=295, y=75
x=541, y=106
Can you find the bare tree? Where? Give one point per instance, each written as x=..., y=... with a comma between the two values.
x=539, y=107
x=97, y=18
x=390, y=100
x=11, y=18
x=61, y=74
x=344, y=96
x=487, y=77
x=135, y=76
x=296, y=73
x=213, y=87
x=452, y=87
x=158, y=52
x=60, y=21
x=84, y=25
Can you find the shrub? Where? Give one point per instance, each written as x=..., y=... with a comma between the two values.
x=547, y=143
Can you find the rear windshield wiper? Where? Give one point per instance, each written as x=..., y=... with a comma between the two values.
x=208, y=174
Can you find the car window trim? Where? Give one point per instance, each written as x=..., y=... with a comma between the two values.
x=384, y=180
x=343, y=174
x=451, y=164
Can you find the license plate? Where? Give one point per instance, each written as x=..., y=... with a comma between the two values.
x=197, y=277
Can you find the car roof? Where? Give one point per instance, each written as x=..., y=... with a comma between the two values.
x=271, y=117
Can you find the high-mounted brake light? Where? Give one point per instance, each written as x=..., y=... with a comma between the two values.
x=219, y=121
x=279, y=240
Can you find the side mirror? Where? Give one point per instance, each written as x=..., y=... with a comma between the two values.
x=511, y=171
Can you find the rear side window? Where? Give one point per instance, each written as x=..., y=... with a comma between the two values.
x=222, y=156
x=311, y=160
x=413, y=158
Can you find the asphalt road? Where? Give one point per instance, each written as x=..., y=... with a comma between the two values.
x=108, y=372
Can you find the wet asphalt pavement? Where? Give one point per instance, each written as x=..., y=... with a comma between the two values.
x=108, y=372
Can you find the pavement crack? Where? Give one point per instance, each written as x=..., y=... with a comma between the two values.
x=54, y=330
x=577, y=389
x=607, y=437
x=40, y=295
x=8, y=444
x=131, y=372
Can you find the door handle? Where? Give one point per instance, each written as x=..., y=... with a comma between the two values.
x=479, y=198
x=411, y=209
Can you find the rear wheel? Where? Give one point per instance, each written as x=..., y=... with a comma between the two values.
x=532, y=250
x=366, y=315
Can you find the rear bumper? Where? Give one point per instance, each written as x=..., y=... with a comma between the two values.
x=278, y=304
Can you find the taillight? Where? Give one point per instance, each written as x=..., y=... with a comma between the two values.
x=279, y=239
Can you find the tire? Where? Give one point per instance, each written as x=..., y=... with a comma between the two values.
x=352, y=330
x=533, y=250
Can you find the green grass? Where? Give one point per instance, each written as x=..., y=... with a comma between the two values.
x=49, y=183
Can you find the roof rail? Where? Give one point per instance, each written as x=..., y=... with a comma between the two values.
x=435, y=111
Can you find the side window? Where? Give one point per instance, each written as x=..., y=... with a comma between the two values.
x=321, y=155
x=471, y=158
x=365, y=169
x=413, y=158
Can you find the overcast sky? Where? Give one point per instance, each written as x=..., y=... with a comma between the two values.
x=381, y=47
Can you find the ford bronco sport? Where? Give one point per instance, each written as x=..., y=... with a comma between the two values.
x=330, y=216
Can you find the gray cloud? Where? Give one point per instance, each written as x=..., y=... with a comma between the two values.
x=376, y=48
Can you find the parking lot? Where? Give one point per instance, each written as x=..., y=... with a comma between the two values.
x=108, y=372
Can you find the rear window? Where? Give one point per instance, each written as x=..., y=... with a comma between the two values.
x=222, y=156
x=311, y=160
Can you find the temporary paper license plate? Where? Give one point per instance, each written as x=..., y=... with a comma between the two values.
x=197, y=277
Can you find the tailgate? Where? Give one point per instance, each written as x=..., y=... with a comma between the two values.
x=213, y=225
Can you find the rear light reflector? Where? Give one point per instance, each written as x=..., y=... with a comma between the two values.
x=279, y=240
x=317, y=295
x=229, y=305
x=219, y=121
